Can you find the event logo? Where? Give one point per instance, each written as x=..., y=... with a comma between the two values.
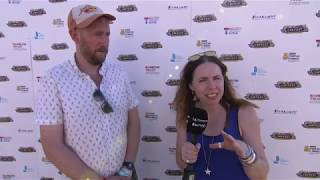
x=176, y=58
x=294, y=29
x=14, y=1
x=177, y=32
x=256, y=96
x=258, y=71
x=171, y=129
x=24, y=110
x=25, y=130
x=127, y=8
x=38, y=35
x=172, y=172
x=283, y=136
x=314, y=72
x=22, y=68
x=177, y=7
x=203, y=44
x=152, y=69
x=6, y=119
x=261, y=44
x=231, y=57
x=146, y=160
x=288, y=84
x=151, y=116
x=127, y=33
x=291, y=57
x=2, y=35
x=4, y=78
x=151, y=19
x=7, y=158
x=318, y=14
x=40, y=57
x=173, y=82
x=151, y=139
x=282, y=111
x=20, y=46
x=46, y=178
x=26, y=149
x=172, y=150
x=16, y=24
x=281, y=161
x=37, y=12
x=298, y=2
x=311, y=124
x=59, y=46
x=308, y=174
x=5, y=139
x=57, y=1
x=264, y=17
x=152, y=93
x=151, y=45
x=204, y=18
x=315, y=98
x=233, y=3
x=231, y=30
x=312, y=149
x=127, y=57
x=58, y=22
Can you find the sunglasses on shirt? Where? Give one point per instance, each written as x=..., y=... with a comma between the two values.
x=99, y=97
x=197, y=56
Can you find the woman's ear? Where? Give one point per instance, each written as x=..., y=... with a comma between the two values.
x=190, y=87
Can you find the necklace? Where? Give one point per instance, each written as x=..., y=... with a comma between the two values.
x=207, y=170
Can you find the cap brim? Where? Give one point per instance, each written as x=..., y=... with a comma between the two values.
x=88, y=21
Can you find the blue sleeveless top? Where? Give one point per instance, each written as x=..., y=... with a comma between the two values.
x=223, y=164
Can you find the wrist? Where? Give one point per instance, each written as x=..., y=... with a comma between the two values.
x=127, y=169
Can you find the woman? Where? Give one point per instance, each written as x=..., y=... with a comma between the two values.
x=230, y=147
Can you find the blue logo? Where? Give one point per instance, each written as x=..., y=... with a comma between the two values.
x=258, y=71
x=176, y=58
x=38, y=35
x=281, y=161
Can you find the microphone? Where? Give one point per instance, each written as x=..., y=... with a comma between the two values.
x=197, y=120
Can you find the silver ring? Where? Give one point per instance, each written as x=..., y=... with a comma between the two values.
x=187, y=161
x=219, y=145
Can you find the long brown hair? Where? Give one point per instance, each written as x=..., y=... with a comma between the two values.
x=183, y=98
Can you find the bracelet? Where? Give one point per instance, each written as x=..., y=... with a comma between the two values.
x=250, y=159
x=127, y=169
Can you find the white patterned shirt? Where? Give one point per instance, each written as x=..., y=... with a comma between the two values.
x=65, y=97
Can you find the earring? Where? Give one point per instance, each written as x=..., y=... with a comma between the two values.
x=194, y=96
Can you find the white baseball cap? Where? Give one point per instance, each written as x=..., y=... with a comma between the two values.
x=83, y=15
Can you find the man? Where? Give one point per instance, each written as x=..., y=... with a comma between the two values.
x=89, y=123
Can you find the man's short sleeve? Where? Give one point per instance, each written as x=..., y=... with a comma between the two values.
x=48, y=105
x=132, y=98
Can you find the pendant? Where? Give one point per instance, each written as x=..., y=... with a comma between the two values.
x=207, y=171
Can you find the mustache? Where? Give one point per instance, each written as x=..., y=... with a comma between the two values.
x=103, y=49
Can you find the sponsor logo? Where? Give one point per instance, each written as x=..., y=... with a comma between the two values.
x=3, y=100
x=308, y=174
x=176, y=58
x=291, y=57
x=57, y=1
x=264, y=17
x=6, y=119
x=283, y=136
x=258, y=71
x=173, y=82
x=25, y=131
x=288, y=84
x=127, y=8
x=261, y=44
x=150, y=179
x=177, y=7
x=231, y=57
x=59, y=46
x=281, y=161
x=315, y=98
x=14, y=1
x=2, y=57
x=2, y=35
x=37, y=12
x=26, y=149
x=46, y=178
x=281, y=111
x=4, y=78
x=5, y=139
x=312, y=149
x=231, y=30
x=171, y=129
x=127, y=57
x=177, y=32
x=58, y=22
x=311, y=124
x=171, y=172
x=152, y=69
x=145, y=160
x=314, y=71
x=152, y=93
x=8, y=176
x=15, y=24
x=203, y=44
x=233, y=3
x=19, y=46
x=151, y=139
x=298, y=2
x=204, y=18
x=127, y=33
x=256, y=96
x=151, y=45
x=40, y=57
x=151, y=20
x=151, y=116
x=318, y=42
x=7, y=158
x=318, y=14
x=172, y=150
x=171, y=106
x=38, y=35
x=294, y=29
x=24, y=109
x=27, y=169
x=22, y=68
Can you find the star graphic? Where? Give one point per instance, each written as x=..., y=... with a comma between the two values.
x=208, y=172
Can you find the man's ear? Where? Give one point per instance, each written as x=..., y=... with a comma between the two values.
x=74, y=35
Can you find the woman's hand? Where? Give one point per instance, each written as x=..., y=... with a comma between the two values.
x=189, y=152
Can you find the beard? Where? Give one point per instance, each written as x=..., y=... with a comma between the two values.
x=93, y=57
